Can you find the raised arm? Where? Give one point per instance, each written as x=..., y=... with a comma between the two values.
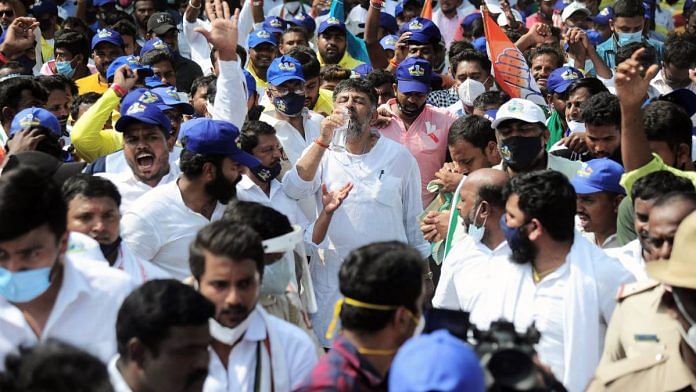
x=378, y=57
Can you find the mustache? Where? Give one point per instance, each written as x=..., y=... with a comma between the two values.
x=234, y=310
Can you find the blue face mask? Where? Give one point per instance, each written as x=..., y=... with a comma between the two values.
x=626, y=38
x=476, y=233
x=24, y=286
x=513, y=235
x=290, y=104
x=65, y=68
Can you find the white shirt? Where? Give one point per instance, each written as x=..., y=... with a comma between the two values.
x=116, y=377
x=355, y=21
x=278, y=200
x=160, y=228
x=138, y=269
x=84, y=247
x=383, y=205
x=84, y=313
x=131, y=188
x=631, y=257
x=293, y=343
x=610, y=242
x=230, y=96
x=659, y=84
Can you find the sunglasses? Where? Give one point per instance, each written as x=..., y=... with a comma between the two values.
x=7, y=13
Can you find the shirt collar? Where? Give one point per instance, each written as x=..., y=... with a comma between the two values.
x=115, y=376
x=257, y=327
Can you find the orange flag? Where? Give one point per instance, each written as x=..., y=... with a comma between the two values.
x=427, y=12
x=509, y=65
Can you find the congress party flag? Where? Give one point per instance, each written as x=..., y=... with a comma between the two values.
x=509, y=65
x=427, y=11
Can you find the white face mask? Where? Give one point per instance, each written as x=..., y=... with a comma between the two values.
x=576, y=126
x=277, y=275
x=690, y=335
x=420, y=326
x=292, y=6
x=229, y=335
x=476, y=233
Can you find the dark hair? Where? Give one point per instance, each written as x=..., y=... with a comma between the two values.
x=306, y=56
x=382, y=273
x=153, y=308
x=680, y=51
x=50, y=144
x=673, y=197
x=84, y=99
x=155, y=56
x=493, y=194
x=54, y=366
x=125, y=27
x=28, y=200
x=358, y=85
x=458, y=47
x=71, y=22
x=545, y=50
x=212, y=90
x=251, y=130
x=266, y=221
x=15, y=66
x=11, y=89
x=470, y=55
x=497, y=98
x=473, y=129
x=191, y=163
x=57, y=82
x=242, y=53
x=298, y=30
x=656, y=184
x=201, y=81
x=602, y=109
x=334, y=72
x=74, y=42
x=628, y=9
x=236, y=242
x=667, y=122
x=114, y=16
x=90, y=186
x=379, y=77
x=593, y=85
x=547, y=196
x=625, y=52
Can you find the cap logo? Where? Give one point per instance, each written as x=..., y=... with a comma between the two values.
x=263, y=34
x=299, y=17
x=287, y=66
x=604, y=12
x=333, y=21
x=415, y=25
x=135, y=108
x=505, y=152
x=515, y=106
x=416, y=70
x=585, y=170
x=569, y=75
x=148, y=97
x=164, y=18
x=390, y=41
x=104, y=33
x=275, y=23
x=159, y=44
x=172, y=93
x=280, y=105
x=29, y=121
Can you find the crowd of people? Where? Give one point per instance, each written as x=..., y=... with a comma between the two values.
x=270, y=195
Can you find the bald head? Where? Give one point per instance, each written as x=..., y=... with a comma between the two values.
x=665, y=216
x=487, y=176
x=482, y=200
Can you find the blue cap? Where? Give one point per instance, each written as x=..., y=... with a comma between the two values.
x=331, y=23
x=490, y=114
x=143, y=95
x=153, y=44
x=389, y=42
x=594, y=36
x=603, y=17
x=171, y=99
x=361, y=70
x=687, y=6
x=215, y=137
x=134, y=64
x=682, y=97
x=423, y=30
x=414, y=75
x=258, y=37
x=480, y=44
x=140, y=111
x=250, y=83
x=598, y=175
x=561, y=78
x=44, y=7
x=561, y=4
x=283, y=69
x=154, y=81
x=469, y=19
x=437, y=361
x=388, y=23
x=273, y=24
x=107, y=35
x=32, y=117
x=303, y=19
x=99, y=3
x=399, y=9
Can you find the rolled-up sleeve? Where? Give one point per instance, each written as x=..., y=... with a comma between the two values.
x=88, y=135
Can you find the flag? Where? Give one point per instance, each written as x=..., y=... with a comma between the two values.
x=510, y=68
x=355, y=46
x=427, y=11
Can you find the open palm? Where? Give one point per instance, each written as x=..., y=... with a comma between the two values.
x=223, y=34
x=333, y=200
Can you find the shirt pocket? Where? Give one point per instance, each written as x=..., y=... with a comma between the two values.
x=388, y=191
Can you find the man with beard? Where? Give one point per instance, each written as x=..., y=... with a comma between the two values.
x=558, y=280
x=474, y=261
x=421, y=128
x=7, y=13
x=332, y=44
x=599, y=194
x=61, y=92
x=263, y=48
x=162, y=223
x=93, y=210
x=107, y=45
x=163, y=337
x=602, y=117
x=142, y=10
x=251, y=350
x=46, y=13
x=385, y=202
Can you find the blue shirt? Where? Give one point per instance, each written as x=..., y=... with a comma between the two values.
x=607, y=50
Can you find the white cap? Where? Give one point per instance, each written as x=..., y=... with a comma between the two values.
x=494, y=6
x=469, y=90
x=519, y=109
x=573, y=8
x=502, y=19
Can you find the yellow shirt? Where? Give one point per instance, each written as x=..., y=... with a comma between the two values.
x=91, y=84
x=91, y=141
x=346, y=62
x=259, y=82
x=324, y=105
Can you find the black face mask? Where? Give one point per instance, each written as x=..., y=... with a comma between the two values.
x=524, y=250
x=265, y=173
x=221, y=188
x=108, y=250
x=520, y=153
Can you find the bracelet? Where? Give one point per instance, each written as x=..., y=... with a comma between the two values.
x=120, y=91
x=193, y=6
x=321, y=144
x=3, y=58
x=393, y=63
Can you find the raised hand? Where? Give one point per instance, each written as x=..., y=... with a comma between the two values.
x=223, y=33
x=631, y=83
x=333, y=200
x=401, y=47
x=125, y=77
x=19, y=37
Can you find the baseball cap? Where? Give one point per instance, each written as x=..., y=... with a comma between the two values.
x=134, y=64
x=154, y=81
x=215, y=137
x=388, y=23
x=100, y=3
x=502, y=20
x=389, y=42
x=147, y=113
x=143, y=95
x=519, y=109
x=414, y=75
x=469, y=19
x=107, y=35
x=598, y=175
x=303, y=19
x=399, y=9
x=32, y=117
x=561, y=4
x=171, y=99
x=259, y=37
x=572, y=8
x=437, y=361
x=678, y=270
x=687, y=6
x=490, y=115
x=45, y=164
x=283, y=69
x=480, y=44
x=361, y=71
x=331, y=23
x=250, y=83
x=273, y=24
x=603, y=17
x=561, y=78
x=160, y=23
x=153, y=44
x=682, y=97
x=43, y=7
x=423, y=30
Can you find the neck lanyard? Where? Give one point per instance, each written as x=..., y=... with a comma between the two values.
x=257, y=373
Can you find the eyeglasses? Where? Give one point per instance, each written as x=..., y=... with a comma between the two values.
x=283, y=91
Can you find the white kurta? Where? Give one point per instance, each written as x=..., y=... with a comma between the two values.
x=131, y=188
x=384, y=205
x=631, y=257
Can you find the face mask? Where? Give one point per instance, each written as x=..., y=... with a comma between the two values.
x=575, y=126
x=476, y=233
x=627, y=38
x=65, y=68
x=290, y=105
x=292, y=6
x=277, y=275
x=520, y=152
x=690, y=335
x=265, y=173
x=513, y=235
x=24, y=286
x=229, y=335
